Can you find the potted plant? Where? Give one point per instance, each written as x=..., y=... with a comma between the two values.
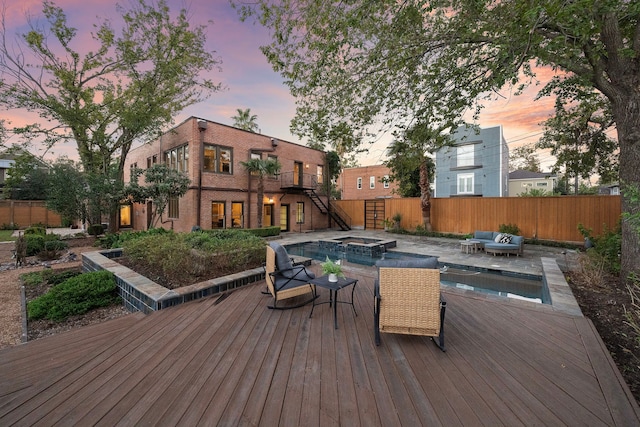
x=333, y=269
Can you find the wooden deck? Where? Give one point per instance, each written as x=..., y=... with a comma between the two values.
x=234, y=362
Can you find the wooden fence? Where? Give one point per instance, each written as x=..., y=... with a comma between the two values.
x=545, y=218
x=23, y=213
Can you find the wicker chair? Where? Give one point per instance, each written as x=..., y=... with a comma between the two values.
x=284, y=280
x=408, y=300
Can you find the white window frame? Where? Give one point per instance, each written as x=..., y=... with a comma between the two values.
x=385, y=181
x=372, y=182
x=465, y=155
x=359, y=183
x=465, y=183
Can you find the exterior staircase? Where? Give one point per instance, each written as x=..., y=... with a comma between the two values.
x=342, y=223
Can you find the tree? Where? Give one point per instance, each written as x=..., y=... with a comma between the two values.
x=67, y=191
x=129, y=88
x=410, y=164
x=27, y=177
x=162, y=184
x=261, y=168
x=450, y=55
x=525, y=158
x=245, y=120
x=577, y=138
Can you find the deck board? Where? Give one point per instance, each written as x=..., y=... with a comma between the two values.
x=237, y=362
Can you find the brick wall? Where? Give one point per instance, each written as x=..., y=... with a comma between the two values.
x=348, y=180
x=228, y=188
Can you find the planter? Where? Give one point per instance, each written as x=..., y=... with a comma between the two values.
x=333, y=277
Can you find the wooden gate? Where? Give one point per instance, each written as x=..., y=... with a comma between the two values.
x=374, y=214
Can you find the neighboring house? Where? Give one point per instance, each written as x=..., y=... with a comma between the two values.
x=222, y=193
x=367, y=182
x=521, y=181
x=612, y=189
x=477, y=165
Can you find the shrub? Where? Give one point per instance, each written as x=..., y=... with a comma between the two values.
x=5, y=226
x=35, y=230
x=632, y=313
x=509, y=229
x=116, y=240
x=608, y=246
x=74, y=296
x=95, y=229
x=265, y=231
x=50, y=243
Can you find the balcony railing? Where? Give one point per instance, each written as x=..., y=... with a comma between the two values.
x=301, y=181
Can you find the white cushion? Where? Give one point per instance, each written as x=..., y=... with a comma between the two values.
x=506, y=238
x=498, y=238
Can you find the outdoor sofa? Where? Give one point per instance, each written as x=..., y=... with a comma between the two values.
x=499, y=243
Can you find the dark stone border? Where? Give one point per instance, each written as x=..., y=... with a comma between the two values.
x=140, y=293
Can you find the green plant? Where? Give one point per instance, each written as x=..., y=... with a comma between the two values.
x=95, y=229
x=12, y=226
x=330, y=267
x=76, y=295
x=608, y=246
x=509, y=229
x=397, y=217
x=35, y=230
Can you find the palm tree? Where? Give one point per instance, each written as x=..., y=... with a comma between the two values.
x=261, y=168
x=245, y=120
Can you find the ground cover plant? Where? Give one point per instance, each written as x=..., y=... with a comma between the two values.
x=73, y=294
x=174, y=260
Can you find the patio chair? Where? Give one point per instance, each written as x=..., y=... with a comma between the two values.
x=408, y=300
x=284, y=280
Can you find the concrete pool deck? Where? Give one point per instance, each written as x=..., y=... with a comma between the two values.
x=537, y=260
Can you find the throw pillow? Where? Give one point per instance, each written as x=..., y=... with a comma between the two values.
x=498, y=238
x=506, y=238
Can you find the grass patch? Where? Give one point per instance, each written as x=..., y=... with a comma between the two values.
x=6, y=236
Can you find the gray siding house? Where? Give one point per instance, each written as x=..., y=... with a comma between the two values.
x=477, y=165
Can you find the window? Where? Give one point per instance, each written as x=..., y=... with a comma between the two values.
x=300, y=213
x=320, y=174
x=385, y=181
x=465, y=183
x=542, y=184
x=372, y=182
x=177, y=158
x=237, y=214
x=217, y=215
x=359, y=184
x=125, y=216
x=218, y=159
x=465, y=155
x=174, y=207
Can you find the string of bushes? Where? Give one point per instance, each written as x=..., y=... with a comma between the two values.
x=45, y=246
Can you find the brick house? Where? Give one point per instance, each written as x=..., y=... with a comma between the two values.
x=366, y=182
x=222, y=193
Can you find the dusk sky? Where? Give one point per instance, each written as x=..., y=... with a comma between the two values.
x=251, y=83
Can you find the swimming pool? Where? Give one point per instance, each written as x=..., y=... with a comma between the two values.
x=487, y=281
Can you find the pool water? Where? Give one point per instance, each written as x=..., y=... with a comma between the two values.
x=488, y=281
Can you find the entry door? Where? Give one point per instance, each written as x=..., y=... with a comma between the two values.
x=267, y=218
x=297, y=174
x=374, y=214
x=284, y=217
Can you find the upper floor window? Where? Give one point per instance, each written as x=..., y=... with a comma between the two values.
x=178, y=158
x=465, y=155
x=218, y=159
x=465, y=183
x=275, y=159
x=359, y=183
x=385, y=181
x=372, y=182
x=320, y=174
